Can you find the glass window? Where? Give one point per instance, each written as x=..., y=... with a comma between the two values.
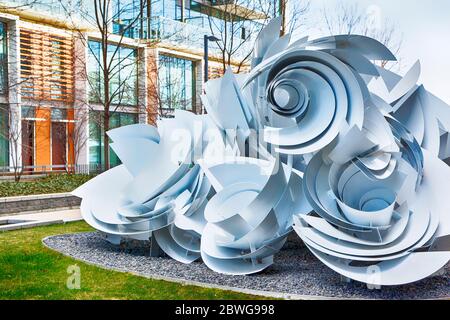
x=126, y=17
x=3, y=59
x=128, y=119
x=127, y=77
x=95, y=75
x=176, y=83
x=123, y=74
x=28, y=112
x=4, y=141
x=96, y=132
x=95, y=141
x=58, y=114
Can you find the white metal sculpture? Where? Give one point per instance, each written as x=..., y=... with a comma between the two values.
x=316, y=138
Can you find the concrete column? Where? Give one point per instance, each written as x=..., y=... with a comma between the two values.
x=14, y=97
x=152, y=85
x=143, y=100
x=81, y=102
x=199, y=85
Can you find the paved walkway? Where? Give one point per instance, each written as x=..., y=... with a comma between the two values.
x=22, y=221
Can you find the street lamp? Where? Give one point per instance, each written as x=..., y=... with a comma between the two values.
x=206, y=53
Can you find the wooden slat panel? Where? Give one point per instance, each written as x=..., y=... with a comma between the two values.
x=47, y=66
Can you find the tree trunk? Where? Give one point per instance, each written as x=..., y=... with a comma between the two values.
x=106, y=138
x=282, y=12
x=106, y=102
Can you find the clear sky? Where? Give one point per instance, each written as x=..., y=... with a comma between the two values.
x=425, y=26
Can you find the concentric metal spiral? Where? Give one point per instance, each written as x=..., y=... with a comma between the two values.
x=250, y=216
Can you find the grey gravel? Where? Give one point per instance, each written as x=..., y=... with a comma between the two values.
x=295, y=271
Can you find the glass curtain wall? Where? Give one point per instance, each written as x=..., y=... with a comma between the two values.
x=123, y=73
x=126, y=19
x=123, y=90
x=3, y=59
x=176, y=83
x=4, y=141
x=96, y=133
x=125, y=12
x=161, y=20
x=132, y=17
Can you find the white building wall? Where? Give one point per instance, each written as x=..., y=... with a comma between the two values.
x=12, y=99
x=81, y=106
x=143, y=83
x=14, y=96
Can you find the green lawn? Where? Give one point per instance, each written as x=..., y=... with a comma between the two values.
x=28, y=270
x=55, y=183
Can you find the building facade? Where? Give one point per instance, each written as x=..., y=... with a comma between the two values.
x=51, y=75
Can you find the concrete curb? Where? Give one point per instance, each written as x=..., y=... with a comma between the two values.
x=2, y=215
x=10, y=223
x=36, y=197
x=27, y=224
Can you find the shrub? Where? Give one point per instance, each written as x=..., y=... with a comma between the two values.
x=55, y=183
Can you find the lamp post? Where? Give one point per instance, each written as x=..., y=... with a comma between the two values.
x=206, y=53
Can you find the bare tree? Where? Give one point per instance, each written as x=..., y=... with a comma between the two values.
x=16, y=5
x=112, y=86
x=171, y=91
x=12, y=132
x=236, y=24
x=351, y=18
x=77, y=138
x=15, y=129
x=236, y=28
x=293, y=13
x=36, y=87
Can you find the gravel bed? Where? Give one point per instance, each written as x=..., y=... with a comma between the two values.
x=295, y=271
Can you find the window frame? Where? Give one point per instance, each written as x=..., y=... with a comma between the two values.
x=166, y=64
x=95, y=76
x=3, y=58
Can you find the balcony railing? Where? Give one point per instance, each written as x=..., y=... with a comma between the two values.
x=55, y=10
x=188, y=35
